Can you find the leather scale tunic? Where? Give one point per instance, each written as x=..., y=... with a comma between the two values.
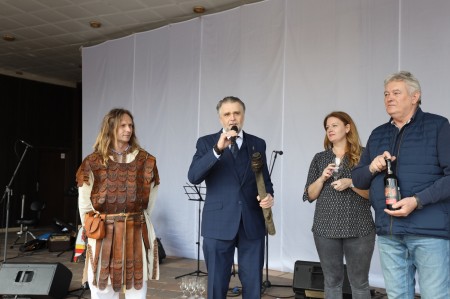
x=120, y=191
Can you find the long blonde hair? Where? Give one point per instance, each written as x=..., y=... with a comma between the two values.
x=108, y=133
x=353, y=147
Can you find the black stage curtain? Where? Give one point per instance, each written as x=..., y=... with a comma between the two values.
x=48, y=117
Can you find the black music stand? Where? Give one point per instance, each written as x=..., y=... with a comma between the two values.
x=196, y=193
x=267, y=284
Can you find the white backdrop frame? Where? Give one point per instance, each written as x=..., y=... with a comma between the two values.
x=292, y=62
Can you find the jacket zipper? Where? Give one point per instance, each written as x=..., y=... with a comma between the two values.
x=402, y=133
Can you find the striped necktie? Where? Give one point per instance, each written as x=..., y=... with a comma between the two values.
x=234, y=149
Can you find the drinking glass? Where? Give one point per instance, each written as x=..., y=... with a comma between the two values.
x=192, y=287
x=337, y=169
x=184, y=286
x=201, y=287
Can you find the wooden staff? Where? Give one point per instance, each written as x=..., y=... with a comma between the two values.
x=257, y=166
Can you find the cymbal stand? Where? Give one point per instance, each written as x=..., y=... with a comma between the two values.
x=267, y=284
x=195, y=193
x=7, y=194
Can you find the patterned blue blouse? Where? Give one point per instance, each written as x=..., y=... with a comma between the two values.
x=338, y=214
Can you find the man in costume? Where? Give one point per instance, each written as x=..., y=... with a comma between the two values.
x=118, y=183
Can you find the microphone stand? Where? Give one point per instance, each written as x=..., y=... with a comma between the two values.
x=7, y=194
x=267, y=284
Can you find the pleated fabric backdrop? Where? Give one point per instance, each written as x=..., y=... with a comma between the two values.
x=292, y=62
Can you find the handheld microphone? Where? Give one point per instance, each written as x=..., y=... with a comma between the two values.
x=278, y=152
x=233, y=139
x=27, y=144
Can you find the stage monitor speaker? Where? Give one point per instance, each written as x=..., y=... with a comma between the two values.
x=309, y=276
x=35, y=280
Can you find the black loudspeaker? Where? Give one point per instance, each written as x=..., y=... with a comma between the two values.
x=309, y=276
x=35, y=280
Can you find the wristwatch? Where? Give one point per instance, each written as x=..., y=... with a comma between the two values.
x=352, y=186
x=419, y=203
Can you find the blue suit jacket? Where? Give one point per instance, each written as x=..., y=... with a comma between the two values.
x=229, y=197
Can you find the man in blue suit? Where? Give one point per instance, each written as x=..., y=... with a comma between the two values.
x=232, y=214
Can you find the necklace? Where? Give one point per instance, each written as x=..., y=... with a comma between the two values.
x=120, y=156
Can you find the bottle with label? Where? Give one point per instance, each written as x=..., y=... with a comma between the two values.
x=391, y=189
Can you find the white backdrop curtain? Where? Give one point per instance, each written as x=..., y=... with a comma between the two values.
x=292, y=62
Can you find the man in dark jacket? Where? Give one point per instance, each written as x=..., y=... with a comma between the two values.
x=232, y=216
x=417, y=234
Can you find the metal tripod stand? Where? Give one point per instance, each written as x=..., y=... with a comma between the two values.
x=194, y=193
x=7, y=195
x=267, y=284
x=22, y=232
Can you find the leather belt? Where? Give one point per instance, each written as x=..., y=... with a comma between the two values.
x=121, y=251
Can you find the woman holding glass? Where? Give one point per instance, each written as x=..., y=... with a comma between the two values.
x=343, y=224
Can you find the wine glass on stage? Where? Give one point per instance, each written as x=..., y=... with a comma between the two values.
x=184, y=286
x=201, y=287
x=192, y=287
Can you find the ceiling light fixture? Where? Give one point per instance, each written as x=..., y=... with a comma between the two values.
x=9, y=37
x=95, y=24
x=199, y=9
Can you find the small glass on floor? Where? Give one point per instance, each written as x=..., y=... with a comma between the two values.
x=184, y=286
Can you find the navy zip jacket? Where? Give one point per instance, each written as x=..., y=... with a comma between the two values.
x=422, y=166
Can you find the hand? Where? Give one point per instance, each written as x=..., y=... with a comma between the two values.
x=406, y=205
x=341, y=184
x=327, y=172
x=267, y=202
x=224, y=139
x=379, y=163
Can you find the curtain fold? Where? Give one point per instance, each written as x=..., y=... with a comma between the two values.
x=292, y=62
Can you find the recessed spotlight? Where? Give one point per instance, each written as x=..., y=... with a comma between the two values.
x=9, y=37
x=199, y=9
x=95, y=24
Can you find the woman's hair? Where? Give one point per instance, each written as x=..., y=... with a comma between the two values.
x=108, y=130
x=353, y=148
x=411, y=82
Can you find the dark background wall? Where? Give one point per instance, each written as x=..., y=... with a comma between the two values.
x=48, y=117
